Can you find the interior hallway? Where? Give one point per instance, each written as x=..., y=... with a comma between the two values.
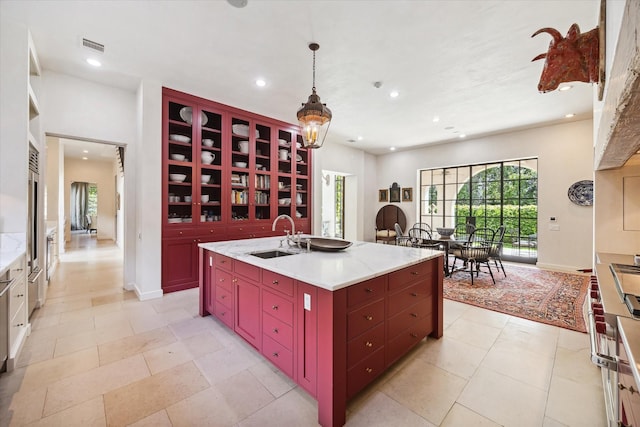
x=97, y=356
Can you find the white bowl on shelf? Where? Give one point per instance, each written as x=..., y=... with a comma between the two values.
x=186, y=114
x=243, y=146
x=179, y=138
x=177, y=177
x=174, y=220
x=205, y=179
x=204, y=198
x=240, y=164
x=285, y=201
x=243, y=130
x=207, y=142
x=178, y=157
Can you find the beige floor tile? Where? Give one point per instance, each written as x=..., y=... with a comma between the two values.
x=190, y=327
x=504, y=400
x=525, y=337
x=577, y=366
x=486, y=317
x=147, y=322
x=244, y=394
x=273, y=379
x=460, y=416
x=550, y=422
x=35, y=351
x=234, y=359
x=129, y=346
x=202, y=343
x=87, y=414
x=425, y=389
x=76, y=342
x=567, y=403
x=293, y=409
x=572, y=340
x=44, y=373
x=41, y=321
x=93, y=383
x=380, y=411
x=159, y=419
x=506, y=358
x=207, y=408
x=23, y=408
x=109, y=299
x=168, y=356
x=453, y=310
x=62, y=330
x=473, y=333
x=111, y=319
x=142, y=398
x=81, y=315
x=453, y=356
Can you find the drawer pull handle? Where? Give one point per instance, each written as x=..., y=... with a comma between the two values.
x=221, y=280
x=275, y=282
x=369, y=370
x=369, y=344
x=275, y=330
x=274, y=307
x=235, y=280
x=369, y=290
x=20, y=295
x=20, y=324
x=275, y=354
x=413, y=294
x=414, y=335
x=415, y=273
x=414, y=314
x=368, y=317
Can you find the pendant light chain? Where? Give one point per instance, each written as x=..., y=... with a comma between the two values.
x=314, y=71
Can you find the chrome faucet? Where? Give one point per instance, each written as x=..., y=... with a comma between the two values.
x=290, y=238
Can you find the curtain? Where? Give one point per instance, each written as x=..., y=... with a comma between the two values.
x=79, y=205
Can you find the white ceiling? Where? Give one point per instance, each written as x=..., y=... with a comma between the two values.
x=467, y=62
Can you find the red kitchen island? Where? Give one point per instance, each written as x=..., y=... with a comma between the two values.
x=331, y=321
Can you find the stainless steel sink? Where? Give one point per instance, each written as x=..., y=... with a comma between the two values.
x=271, y=254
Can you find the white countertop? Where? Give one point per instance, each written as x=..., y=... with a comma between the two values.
x=630, y=335
x=12, y=247
x=327, y=270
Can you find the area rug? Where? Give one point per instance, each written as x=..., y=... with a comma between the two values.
x=550, y=297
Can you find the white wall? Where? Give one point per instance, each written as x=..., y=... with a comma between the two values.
x=100, y=173
x=565, y=155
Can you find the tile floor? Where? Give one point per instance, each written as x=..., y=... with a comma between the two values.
x=97, y=356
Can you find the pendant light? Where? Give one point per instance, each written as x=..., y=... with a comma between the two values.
x=314, y=116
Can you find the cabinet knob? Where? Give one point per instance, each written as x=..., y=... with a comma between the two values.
x=235, y=280
x=369, y=370
x=369, y=290
x=414, y=335
x=369, y=344
x=274, y=307
x=275, y=330
x=414, y=314
x=180, y=233
x=413, y=294
x=275, y=282
x=415, y=273
x=223, y=296
x=221, y=280
x=275, y=354
x=368, y=317
x=20, y=324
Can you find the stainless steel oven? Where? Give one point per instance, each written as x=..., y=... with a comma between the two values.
x=34, y=233
x=612, y=294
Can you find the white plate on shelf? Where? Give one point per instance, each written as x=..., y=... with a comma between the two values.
x=179, y=138
x=283, y=143
x=186, y=114
x=298, y=157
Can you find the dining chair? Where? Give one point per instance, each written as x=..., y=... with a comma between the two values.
x=421, y=238
x=495, y=253
x=475, y=252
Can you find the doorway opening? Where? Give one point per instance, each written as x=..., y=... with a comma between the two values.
x=333, y=204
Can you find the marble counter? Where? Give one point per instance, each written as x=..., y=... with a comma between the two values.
x=12, y=247
x=327, y=270
x=629, y=332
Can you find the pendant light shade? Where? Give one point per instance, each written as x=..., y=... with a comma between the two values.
x=314, y=116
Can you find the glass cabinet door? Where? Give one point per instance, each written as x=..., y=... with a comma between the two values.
x=210, y=161
x=262, y=172
x=241, y=141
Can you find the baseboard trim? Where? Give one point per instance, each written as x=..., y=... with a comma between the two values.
x=143, y=296
x=556, y=267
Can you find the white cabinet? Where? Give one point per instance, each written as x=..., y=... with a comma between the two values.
x=18, y=322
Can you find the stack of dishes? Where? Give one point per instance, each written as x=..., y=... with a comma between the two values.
x=177, y=177
x=179, y=138
x=186, y=114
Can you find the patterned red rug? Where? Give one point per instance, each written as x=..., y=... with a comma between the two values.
x=550, y=297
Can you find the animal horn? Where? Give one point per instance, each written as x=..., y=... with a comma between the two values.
x=552, y=31
x=542, y=55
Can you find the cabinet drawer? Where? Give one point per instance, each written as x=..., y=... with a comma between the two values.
x=225, y=262
x=365, y=345
x=16, y=326
x=278, y=331
x=224, y=296
x=278, y=355
x=224, y=280
x=409, y=317
x=401, y=278
x=282, y=283
x=408, y=296
x=364, y=372
x=17, y=295
x=247, y=270
x=170, y=232
x=364, y=318
x=366, y=291
x=278, y=307
x=225, y=314
x=408, y=338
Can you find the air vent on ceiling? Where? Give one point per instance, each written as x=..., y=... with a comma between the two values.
x=93, y=45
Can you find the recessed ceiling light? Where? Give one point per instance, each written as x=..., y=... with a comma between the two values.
x=462, y=135
x=359, y=138
x=567, y=87
x=238, y=3
x=392, y=148
x=85, y=158
x=394, y=94
x=94, y=62
x=85, y=151
x=260, y=83
x=568, y=116
x=436, y=119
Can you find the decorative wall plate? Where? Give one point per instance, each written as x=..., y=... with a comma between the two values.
x=581, y=193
